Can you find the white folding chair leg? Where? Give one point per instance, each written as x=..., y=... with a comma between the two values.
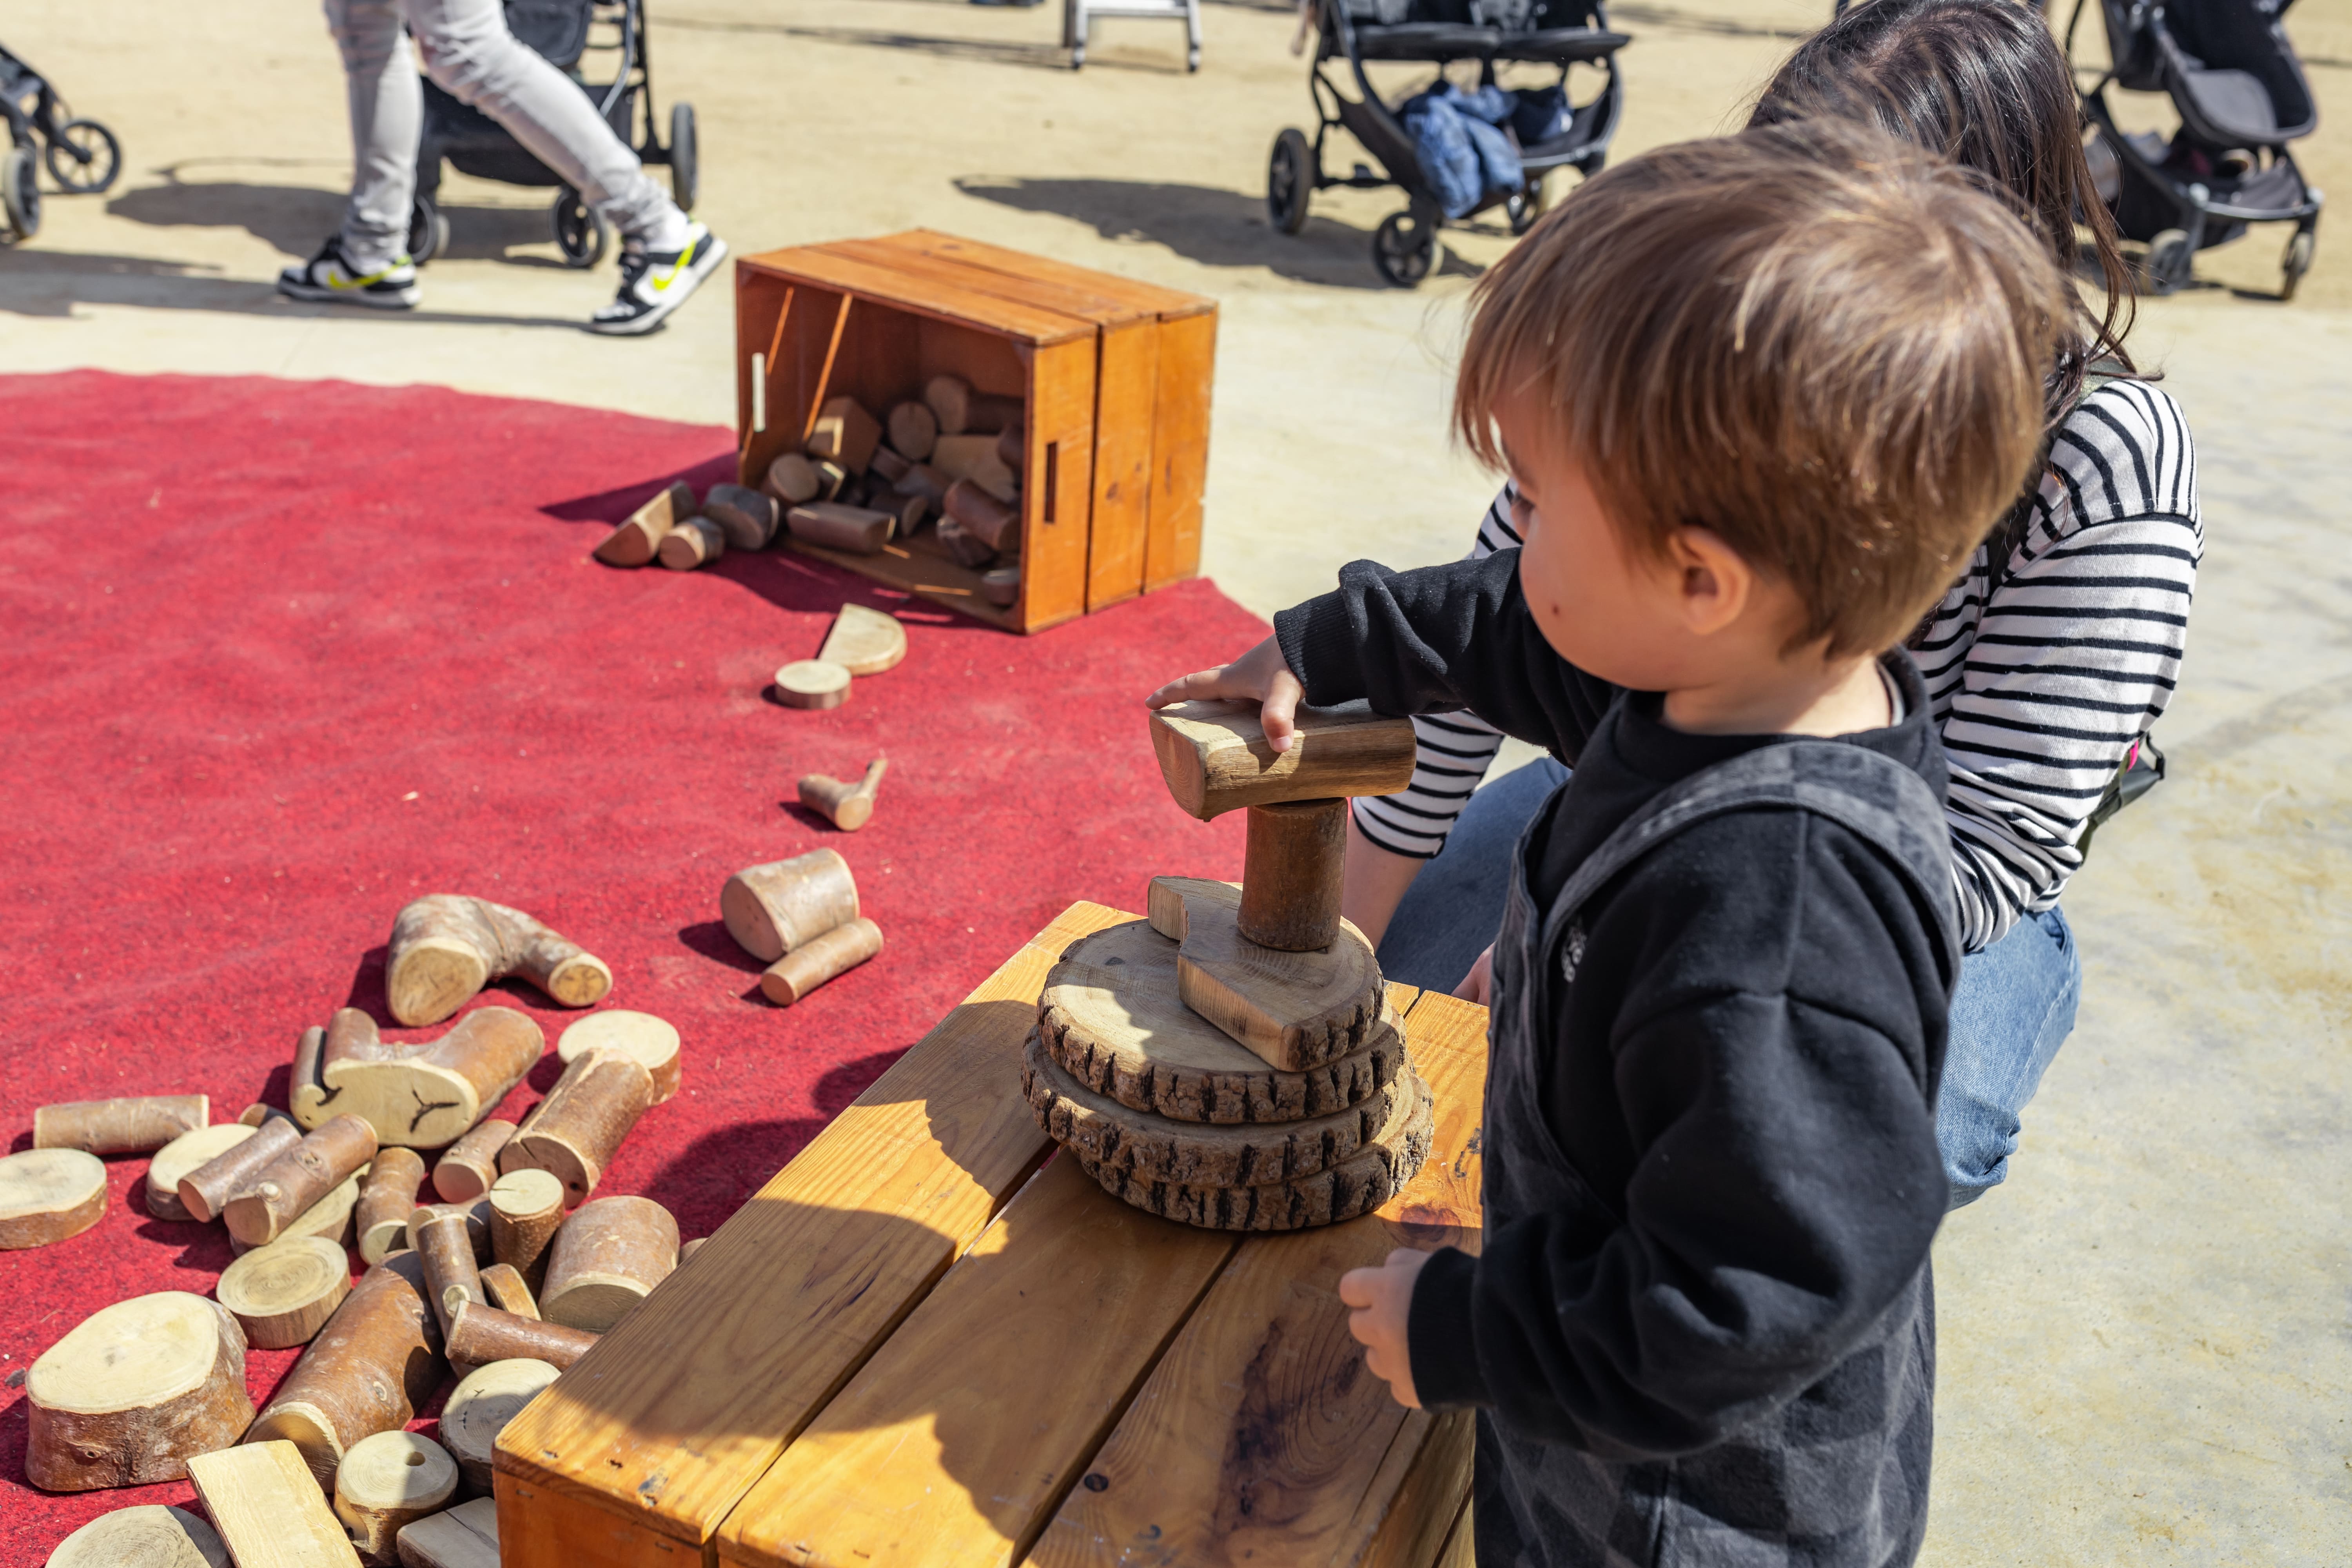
x=1191, y=34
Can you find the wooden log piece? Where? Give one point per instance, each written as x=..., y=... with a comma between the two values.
x=695, y=542
x=526, y=1209
x=269, y=1510
x=653, y=1041
x=484, y=1334
x=477, y=1223
x=864, y=641
x=284, y=1189
x=687, y=1250
x=1215, y=756
x=858, y=530
x=985, y=518
x=1292, y=874
x=773, y=909
x=973, y=458
x=254, y=1115
x=387, y=1198
x=607, y=1258
x=913, y=428
x=49, y=1195
x=965, y=548
x=848, y=806
x=132, y=1391
x=809, y=965
x=206, y=1190
x=465, y=1171
x=577, y=1130
x=368, y=1371
x=844, y=433
x=912, y=512
x=151, y=1536
x=283, y=1294
x=792, y=480
x=1001, y=586
x=447, y=1253
x=959, y=408
x=1012, y=448
x=388, y=1481
x=466, y=1536
x=1295, y=1010
x=330, y=1217
x=887, y=466
x=812, y=683
x=446, y=947
x=481, y=1407
x=634, y=542
x=508, y=1291
x=922, y=480
x=135, y=1126
x=182, y=1154
x=748, y=518
x=425, y=1094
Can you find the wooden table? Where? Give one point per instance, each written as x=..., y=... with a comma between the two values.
x=916, y=1346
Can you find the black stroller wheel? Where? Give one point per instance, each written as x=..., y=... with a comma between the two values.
x=20, y=194
x=1290, y=181
x=1522, y=208
x=2168, y=262
x=685, y=157
x=581, y=231
x=2296, y=262
x=428, y=231
x=1404, y=247
x=84, y=157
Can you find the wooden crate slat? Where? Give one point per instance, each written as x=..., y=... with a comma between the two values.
x=1067, y=298
x=661, y=1429
x=1169, y=303
x=925, y=296
x=1056, y=509
x=954, y=1443
x=1125, y=395
x=1179, y=452
x=1259, y=1437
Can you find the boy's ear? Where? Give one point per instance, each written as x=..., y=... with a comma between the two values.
x=1714, y=586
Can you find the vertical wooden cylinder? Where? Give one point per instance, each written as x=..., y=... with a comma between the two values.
x=448, y=1258
x=607, y=1258
x=386, y=1198
x=576, y=1129
x=1292, y=874
x=526, y=1210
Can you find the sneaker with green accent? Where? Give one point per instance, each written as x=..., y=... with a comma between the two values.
x=330, y=276
x=656, y=282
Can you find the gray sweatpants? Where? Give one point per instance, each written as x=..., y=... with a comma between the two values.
x=471, y=56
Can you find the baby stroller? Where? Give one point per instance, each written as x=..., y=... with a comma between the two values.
x=561, y=31
x=2241, y=94
x=1562, y=33
x=82, y=155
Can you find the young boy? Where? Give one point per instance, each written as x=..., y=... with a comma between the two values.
x=1761, y=397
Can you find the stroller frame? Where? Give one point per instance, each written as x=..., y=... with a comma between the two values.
x=561, y=32
x=1404, y=247
x=82, y=155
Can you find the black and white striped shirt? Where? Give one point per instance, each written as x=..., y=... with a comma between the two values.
x=2040, y=698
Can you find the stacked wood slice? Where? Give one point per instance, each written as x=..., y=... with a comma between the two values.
x=1176, y=1116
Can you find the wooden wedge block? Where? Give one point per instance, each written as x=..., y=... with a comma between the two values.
x=1293, y=1010
x=579, y=1126
x=282, y=1295
x=913, y=429
x=634, y=542
x=844, y=434
x=467, y=1170
x=526, y=1210
x=864, y=641
x=206, y=1190
x=148, y=1536
x=182, y=1154
x=478, y=1410
x=855, y=529
x=49, y=1195
x=809, y=965
x=270, y=1510
x=466, y=1536
x=134, y=1391
x=653, y=1041
x=368, y=1371
x=387, y=1482
x=135, y=1126
x=792, y=480
x=748, y=518
x=426, y=1094
x=695, y=542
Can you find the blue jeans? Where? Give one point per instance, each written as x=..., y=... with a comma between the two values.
x=2013, y=1008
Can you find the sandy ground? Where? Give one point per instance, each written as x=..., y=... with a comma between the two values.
x=2144, y=1354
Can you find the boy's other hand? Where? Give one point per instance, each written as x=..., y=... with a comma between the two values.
x=1260, y=676
x=1478, y=986
x=1382, y=1297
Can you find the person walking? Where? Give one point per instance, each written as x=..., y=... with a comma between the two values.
x=470, y=54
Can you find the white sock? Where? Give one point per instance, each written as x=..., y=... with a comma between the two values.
x=669, y=234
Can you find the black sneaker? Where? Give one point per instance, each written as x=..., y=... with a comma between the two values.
x=653, y=283
x=327, y=275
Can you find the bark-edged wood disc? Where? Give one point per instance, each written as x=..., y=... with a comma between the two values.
x=182, y=1154
x=133, y=1391
x=284, y=1293
x=481, y=1407
x=1354, y=1186
x=1196, y=1152
x=1111, y=1016
x=653, y=1041
x=148, y=1536
x=864, y=641
x=49, y=1195
x=812, y=683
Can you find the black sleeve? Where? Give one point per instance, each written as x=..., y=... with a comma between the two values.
x=1437, y=640
x=1774, y=1086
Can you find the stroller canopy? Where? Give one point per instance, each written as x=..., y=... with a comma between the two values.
x=2226, y=65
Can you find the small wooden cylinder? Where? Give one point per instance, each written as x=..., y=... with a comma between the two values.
x=965, y=547
x=607, y=1258
x=526, y=1209
x=370, y=1368
x=135, y=1126
x=748, y=518
x=805, y=968
x=466, y=1171
x=386, y=1199
x=478, y=1223
x=770, y=910
x=285, y=1189
x=914, y=429
x=481, y=1335
x=206, y=1190
x=1292, y=875
x=480, y=1408
x=792, y=479
x=580, y=1124
x=450, y=1276
x=387, y=1482
x=694, y=543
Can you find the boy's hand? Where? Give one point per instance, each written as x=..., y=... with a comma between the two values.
x=1382, y=1299
x=1260, y=676
x=1478, y=986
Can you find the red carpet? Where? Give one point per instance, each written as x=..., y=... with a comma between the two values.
x=280, y=656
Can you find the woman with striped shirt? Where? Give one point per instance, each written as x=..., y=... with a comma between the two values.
x=2046, y=664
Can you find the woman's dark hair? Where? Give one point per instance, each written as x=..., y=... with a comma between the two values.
x=1983, y=83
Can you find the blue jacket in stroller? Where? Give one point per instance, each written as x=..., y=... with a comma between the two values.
x=1464, y=152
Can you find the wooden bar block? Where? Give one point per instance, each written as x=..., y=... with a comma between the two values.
x=283, y=1190
x=579, y=1126
x=1012, y=1372
x=206, y=1190
x=387, y=1198
x=526, y=1210
x=465, y=1171
x=136, y=1126
x=606, y=1259
x=188, y=1152
x=270, y=1510
x=679, y=1411
x=1215, y=756
x=809, y=965
x=134, y=1391
x=633, y=543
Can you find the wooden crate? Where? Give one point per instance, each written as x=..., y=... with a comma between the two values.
x=915, y=1346
x=1115, y=375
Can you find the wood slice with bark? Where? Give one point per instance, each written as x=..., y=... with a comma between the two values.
x=696, y=541
x=653, y=1041
x=748, y=518
x=283, y=1294
x=466, y=1536
x=526, y=1210
x=864, y=641
x=467, y=1169
x=206, y=1190
x=388, y=1481
x=484, y=1334
x=848, y=806
x=49, y=1195
x=446, y=947
x=633, y=543
x=176, y=1160
x=577, y=1128
x=812, y=683
x=151, y=1536
x=424, y=1094
x=811, y=964
x=283, y=1190
x=1356, y=1185
x=368, y=1371
x=387, y=1198
x=450, y=1275
x=844, y=433
x=859, y=530
x=269, y=1512
x=608, y=1257
x=132, y=1391
x=773, y=909
x=1295, y=1010
x=509, y=1290
x=135, y=1126
x=481, y=1407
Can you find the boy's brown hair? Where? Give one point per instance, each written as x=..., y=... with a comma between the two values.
x=1819, y=343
